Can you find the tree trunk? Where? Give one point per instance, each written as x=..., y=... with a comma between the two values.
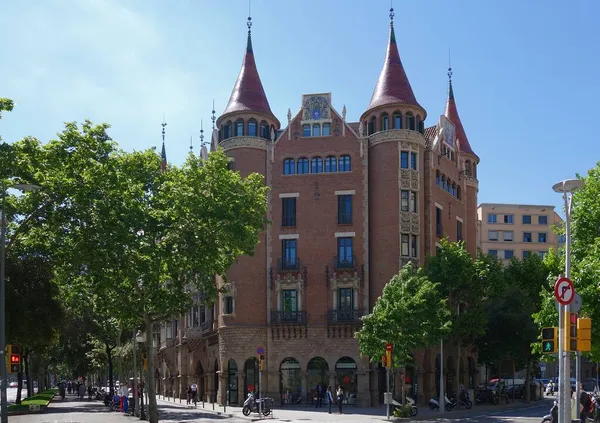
x=457, y=375
x=152, y=406
x=19, y=387
x=527, y=390
x=110, y=367
x=28, y=375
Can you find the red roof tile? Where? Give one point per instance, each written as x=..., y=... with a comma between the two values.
x=452, y=114
x=248, y=94
x=393, y=86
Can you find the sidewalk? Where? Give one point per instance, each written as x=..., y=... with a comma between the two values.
x=350, y=414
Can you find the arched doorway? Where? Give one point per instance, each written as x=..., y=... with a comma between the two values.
x=232, y=385
x=200, y=380
x=346, y=377
x=215, y=381
x=317, y=369
x=290, y=383
x=251, y=376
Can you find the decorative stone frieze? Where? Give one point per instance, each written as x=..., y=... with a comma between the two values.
x=409, y=179
x=409, y=139
x=405, y=260
x=472, y=182
x=246, y=142
x=289, y=281
x=345, y=280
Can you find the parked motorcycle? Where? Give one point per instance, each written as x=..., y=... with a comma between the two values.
x=251, y=405
x=435, y=405
x=553, y=416
x=409, y=401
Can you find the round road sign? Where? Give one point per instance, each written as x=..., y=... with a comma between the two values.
x=260, y=351
x=564, y=291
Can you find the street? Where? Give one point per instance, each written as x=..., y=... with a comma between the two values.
x=11, y=394
x=74, y=411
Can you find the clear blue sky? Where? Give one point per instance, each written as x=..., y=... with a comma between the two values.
x=525, y=72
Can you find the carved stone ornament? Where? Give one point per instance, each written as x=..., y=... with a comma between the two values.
x=316, y=107
x=345, y=280
x=289, y=281
x=415, y=229
x=405, y=217
x=229, y=289
x=398, y=135
x=472, y=182
x=243, y=142
x=405, y=260
x=405, y=227
x=404, y=183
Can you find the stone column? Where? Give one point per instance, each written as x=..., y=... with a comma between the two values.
x=304, y=385
x=241, y=388
x=332, y=381
x=223, y=387
x=374, y=384
x=363, y=397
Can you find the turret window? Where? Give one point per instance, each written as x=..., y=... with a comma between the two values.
x=264, y=130
x=306, y=130
x=458, y=192
x=385, y=122
x=404, y=159
x=326, y=129
x=330, y=164
x=289, y=167
x=413, y=161
x=227, y=130
x=410, y=121
x=447, y=185
x=421, y=127
x=302, y=165
x=316, y=128
x=239, y=128
x=252, y=128
x=344, y=163
x=397, y=120
x=372, y=126
x=468, y=170
x=437, y=178
x=316, y=165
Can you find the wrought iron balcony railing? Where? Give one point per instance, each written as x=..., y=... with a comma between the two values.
x=345, y=262
x=288, y=264
x=344, y=316
x=288, y=317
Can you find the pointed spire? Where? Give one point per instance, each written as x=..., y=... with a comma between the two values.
x=213, y=117
x=163, y=153
x=248, y=94
x=191, y=144
x=451, y=114
x=392, y=86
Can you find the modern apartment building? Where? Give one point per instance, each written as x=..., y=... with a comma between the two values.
x=518, y=230
x=350, y=204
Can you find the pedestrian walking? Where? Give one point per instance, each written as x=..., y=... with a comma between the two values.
x=194, y=389
x=189, y=394
x=340, y=398
x=329, y=397
x=319, y=391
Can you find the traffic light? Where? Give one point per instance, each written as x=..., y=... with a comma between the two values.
x=14, y=358
x=549, y=340
x=584, y=334
x=388, y=356
x=261, y=363
x=571, y=338
x=384, y=361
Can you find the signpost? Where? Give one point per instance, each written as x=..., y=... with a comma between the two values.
x=564, y=293
x=260, y=351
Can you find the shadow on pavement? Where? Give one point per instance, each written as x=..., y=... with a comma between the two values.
x=188, y=415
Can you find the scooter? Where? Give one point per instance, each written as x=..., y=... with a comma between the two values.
x=409, y=401
x=251, y=405
x=553, y=416
x=549, y=390
x=435, y=405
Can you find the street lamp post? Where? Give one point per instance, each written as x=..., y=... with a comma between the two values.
x=566, y=188
x=3, y=399
x=140, y=338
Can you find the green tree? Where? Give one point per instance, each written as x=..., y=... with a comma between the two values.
x=410, y=313
x=467, y=288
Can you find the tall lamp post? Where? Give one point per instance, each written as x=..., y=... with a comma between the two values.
x=566, y=188
x=3, y=399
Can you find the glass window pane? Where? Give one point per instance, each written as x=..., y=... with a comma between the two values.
x=252, y=128
x=316, y=130
x=404, y=159
x=326, y=129
x=306, y=131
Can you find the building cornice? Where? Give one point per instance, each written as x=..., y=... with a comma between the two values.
x=243, y=142
x=395, y=135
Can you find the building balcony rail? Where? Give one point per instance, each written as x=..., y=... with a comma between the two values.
x=344, y=262
x=208, y=325
x=288, y=265
x=168, y=343
x=193, y=332
x=344, y=316
x=288, y=317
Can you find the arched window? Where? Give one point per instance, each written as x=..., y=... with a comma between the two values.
x=232, y=381
x=346, y=375
x=474, y=170
x=318, y=370
x=453, y=189
x=443, y=181
x=372, y=126
x=227, y=130
x=302, y=165
x=410, y=121
x=330, y=164
x=437, y=178
x=250, y=375
x=326, y=129
x=239, y=128
x=468, y=168
x=290, y=381
x=252, y=127
x=306, y=130
x=458, y=192
x=449, y=186
x=344, y=163
x=316, y=165
x=289, y=167
x=397, y=116
x=264, y=129
x=385, y=122
x=316, y=130
x=418, y=123
x=221, y=133
x=422, y=127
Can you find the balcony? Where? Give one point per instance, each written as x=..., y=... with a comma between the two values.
x=344, y=316
x=288, y=265
x=288, y=317
x=208, y=326
x=193, y=333
x=344, y=262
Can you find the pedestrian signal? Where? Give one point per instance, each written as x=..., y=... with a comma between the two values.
x=549, y=340
x=584, y=334
x=571, y=338
x=14, y=359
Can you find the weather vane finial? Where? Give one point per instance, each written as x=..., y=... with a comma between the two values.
x=391, y=12
x=249, y=24
x=213, y=117
x=449, y=67
x=201, y=133
x=163, y=124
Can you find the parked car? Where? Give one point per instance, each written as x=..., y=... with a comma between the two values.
x=13, y=385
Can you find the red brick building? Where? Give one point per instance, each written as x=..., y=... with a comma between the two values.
x=350, y=203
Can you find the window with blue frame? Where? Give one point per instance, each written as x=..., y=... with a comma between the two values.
x=344, y=164
x=302, y=165
x=542, y=220
x=330, y=164
x=492, y=218
x=316, y=165
x=289, y=167
x=413, y=161
x=239, y=128
x=508, y=254
x=264, y=130
x=345, y=258
x=404, y=159
x=316, y=130
x=289, y=247
x=344, y=209
x=288, y=217
x=542, y=237
x=526, y=219
x=526, y=254
x=397, y=121
x=326, y=129
x=385, y=122
x=252, y=128
x=493, y=253
x=306, y=130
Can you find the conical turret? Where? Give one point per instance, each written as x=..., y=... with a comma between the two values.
x=451, y=113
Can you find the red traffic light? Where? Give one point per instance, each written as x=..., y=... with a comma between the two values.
x=388, y=347
x=573, y=318
x=15, y=358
